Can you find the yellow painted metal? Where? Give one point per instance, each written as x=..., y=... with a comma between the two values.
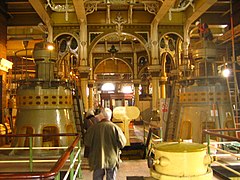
x=125, y=114
x=181, y=160
x=180, y=147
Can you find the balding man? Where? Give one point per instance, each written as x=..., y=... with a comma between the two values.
x=105, y=140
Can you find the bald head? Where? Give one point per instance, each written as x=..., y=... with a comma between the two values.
x=105, y=113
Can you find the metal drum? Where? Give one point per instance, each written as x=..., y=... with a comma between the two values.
x=180, y=160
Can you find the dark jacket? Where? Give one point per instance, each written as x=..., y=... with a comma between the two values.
x=105, y=140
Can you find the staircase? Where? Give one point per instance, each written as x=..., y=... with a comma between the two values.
x=233, y=90
x=78, y=110
x=173, y=116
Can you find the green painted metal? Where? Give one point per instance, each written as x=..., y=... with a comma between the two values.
x=57, y=177
x=74, y=158
x=31, y=153
x=79, y=160
x=71, y=162
x=208, y=143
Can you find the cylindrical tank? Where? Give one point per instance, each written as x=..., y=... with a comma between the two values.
x=176, y=160
x=44, y=104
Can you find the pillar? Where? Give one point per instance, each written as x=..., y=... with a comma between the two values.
x=136, y=92
x=83, y=68
x=136, y=81
x=162, y=84
x=154, y=43
x=91, y=97
x=155, y=93
x=83, y=43
x=155, y=73
x=184, y=65
x=84, y=73
x=155, y=68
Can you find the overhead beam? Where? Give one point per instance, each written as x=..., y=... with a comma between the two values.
x=39, y=8
x=164, y=9
x=201, y=6
x=80, y=10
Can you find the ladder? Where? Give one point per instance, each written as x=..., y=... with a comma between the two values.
x=233, y=90
x=78, y=110
x=173, y=116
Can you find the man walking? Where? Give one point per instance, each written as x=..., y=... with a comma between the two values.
x=105, y=139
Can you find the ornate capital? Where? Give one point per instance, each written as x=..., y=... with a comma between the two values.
x=91, y=83
x=155, y=70
x=136, y=82
x=84, y=71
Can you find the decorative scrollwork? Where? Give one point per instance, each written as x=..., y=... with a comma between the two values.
x=119, y=21
x=90, y=7
x=60, y=8
x=151, y=7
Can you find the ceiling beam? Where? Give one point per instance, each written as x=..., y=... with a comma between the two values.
x=201, y=6
x=163, y=10
x=39, y=8
x=80, y=10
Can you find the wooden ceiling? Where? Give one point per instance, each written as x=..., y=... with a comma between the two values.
x=28, y=19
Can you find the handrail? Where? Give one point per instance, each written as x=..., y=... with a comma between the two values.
x=56, y=168
x=213, y=132
x=37, y=135
x=65, y=156
x=150, y=126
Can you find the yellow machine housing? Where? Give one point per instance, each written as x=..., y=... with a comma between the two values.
x=179, y=160
x=44, y=104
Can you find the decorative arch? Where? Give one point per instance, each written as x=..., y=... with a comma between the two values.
x=175, y=33
x=168, y=62
x=105, y=34
x=68, y=50
x=169, y=45
x=111, y=66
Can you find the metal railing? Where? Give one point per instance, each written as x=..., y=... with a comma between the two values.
x=218, y=149
x=68, y=161
x=152, y=134
x=151, y=130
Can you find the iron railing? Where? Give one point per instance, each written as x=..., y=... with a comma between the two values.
x=69, y=161
x=219, y=149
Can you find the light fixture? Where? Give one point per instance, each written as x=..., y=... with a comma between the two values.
x=113, y=50
x=50, y=46
x=226, y=72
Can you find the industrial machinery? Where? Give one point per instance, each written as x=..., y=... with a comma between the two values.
x=203, y=101
x=44, y=103
x=180, y=160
